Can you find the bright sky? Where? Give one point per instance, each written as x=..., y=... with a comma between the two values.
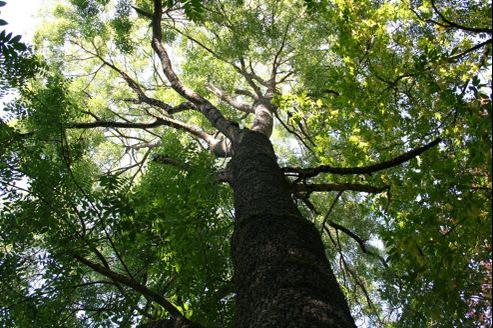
x=20, y=16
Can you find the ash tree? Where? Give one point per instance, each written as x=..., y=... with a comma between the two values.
x=250, y=164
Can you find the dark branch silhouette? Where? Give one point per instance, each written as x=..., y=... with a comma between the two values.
x=465, y=52
x=306, y=173
x=116, y=124
x=320, y=187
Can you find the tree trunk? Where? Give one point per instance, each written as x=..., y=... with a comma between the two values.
x=282, y=276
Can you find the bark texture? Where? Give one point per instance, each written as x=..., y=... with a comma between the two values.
x=282, y=276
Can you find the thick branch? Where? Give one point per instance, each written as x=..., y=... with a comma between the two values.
x=182, y=107
x=158, y=103
x=218, y=147
x=194, y=130
x=115, y=124
x=321, y=187
x=245, y=93
x=311, y=172
x=210, y=112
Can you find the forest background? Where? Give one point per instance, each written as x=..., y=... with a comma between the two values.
x=115, y=208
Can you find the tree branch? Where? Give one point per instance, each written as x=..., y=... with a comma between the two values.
x=465, y=52
x=249, y=77
x=115, y=124
x=245, y=93
x=163, y=159
x=220, y=148
x=306, y=173
x=456, y=25
x=358, y=239
x=136, y=286
x=447, y=23
x=134, y=85
x=225, y=126
x=276, y=63
x=292, y=131
x=331, y=208
x=321, y=187
x=230, y=100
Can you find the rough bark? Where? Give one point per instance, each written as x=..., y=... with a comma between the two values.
x=282, y=275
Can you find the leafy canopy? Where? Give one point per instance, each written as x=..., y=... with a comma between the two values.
x=356, y=83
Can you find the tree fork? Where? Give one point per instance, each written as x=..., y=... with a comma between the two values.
x=282, y=275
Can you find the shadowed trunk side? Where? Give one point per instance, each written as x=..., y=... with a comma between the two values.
x=282, y=276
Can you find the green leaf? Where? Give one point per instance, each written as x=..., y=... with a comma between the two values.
x=15, y=39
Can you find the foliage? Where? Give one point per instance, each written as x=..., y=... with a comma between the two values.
x=156, y=230
x=358, y=82
x=16, y=62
